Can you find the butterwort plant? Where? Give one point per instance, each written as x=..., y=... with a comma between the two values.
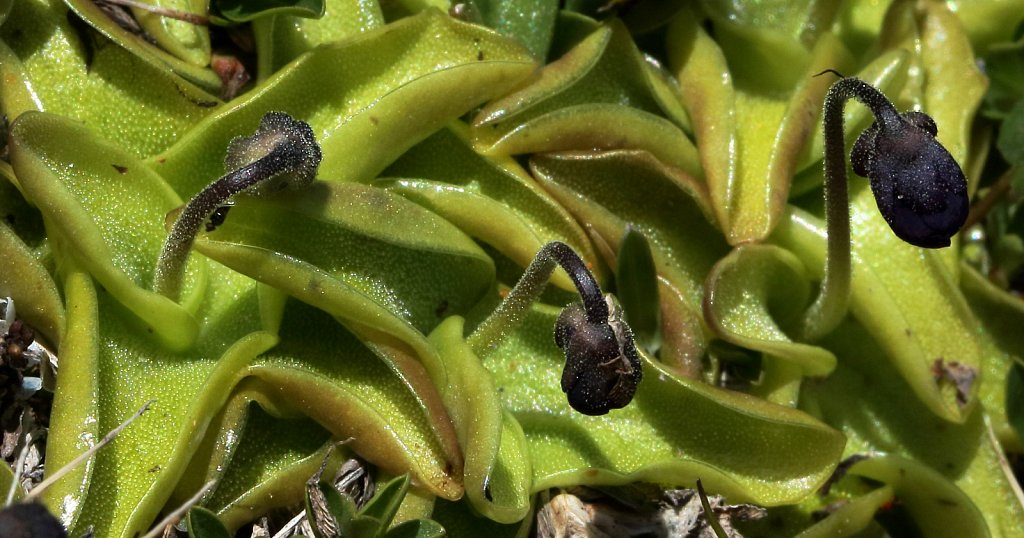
x=367, y=307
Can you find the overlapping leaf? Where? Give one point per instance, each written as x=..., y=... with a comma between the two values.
x=673, y=432
x=381, y=91
x=282, y=36
x=493, y=200
x=601, y=81
x=858, y=398
x=608, y=190
x=106, y=209
x=184, y=51
x=49, y=65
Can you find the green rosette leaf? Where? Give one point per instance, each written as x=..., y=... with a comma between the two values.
x=532, y=22
x=24, y=279
x=131, y=369
x=106, y=209
x=491, y=199
x=238, y=11
x=858, y=399
x=49, y=65
x=259, y=461
x=202, y=523
x=73, y=424
x=184, y=53
x=610, y=189
x=362, y=92
x=497, y=473
x=183, y=39
x=388, y=285
x=601, y=81
x=281, y=36
x=753, y=295
x=750, y=138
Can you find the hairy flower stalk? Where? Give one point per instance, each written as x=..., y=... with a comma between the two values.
x=918, y=186
x=602, y=368
x=282, y=153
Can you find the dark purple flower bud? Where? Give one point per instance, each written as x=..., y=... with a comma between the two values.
x=30, y=520
x=602, y=368
x=918, y=186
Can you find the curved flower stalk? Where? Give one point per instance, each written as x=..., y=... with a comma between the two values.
x=918, y=186
x=602, y=369
x=282, y=153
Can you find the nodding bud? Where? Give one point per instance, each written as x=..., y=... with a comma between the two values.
x=282, y=153
x=918, y=186
x=602, y=367
x=289, y=141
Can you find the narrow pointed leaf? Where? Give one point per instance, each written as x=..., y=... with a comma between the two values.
x=384, y=504
x=683, y=341
x=330, y=514
x=636, y=286
x=202, y=523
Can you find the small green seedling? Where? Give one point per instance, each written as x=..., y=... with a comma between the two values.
x=334, y=515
